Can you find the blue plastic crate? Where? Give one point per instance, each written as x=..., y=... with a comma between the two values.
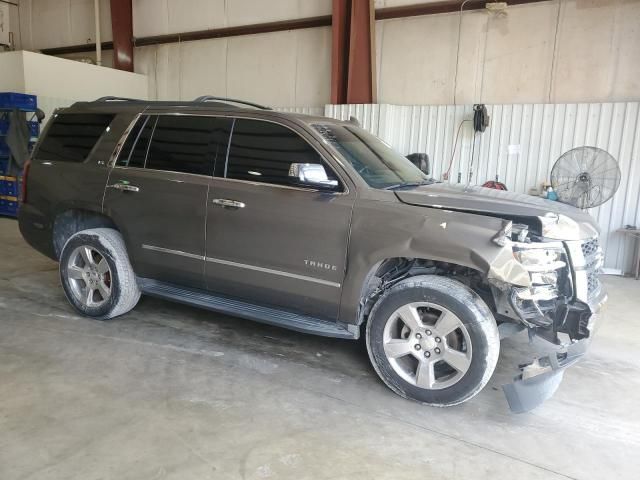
x=21, y=101
x=9, y=206
x=9, y=186
x=34, y=128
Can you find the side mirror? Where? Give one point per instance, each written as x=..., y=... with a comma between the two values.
x=311, y=174
x=420, y=160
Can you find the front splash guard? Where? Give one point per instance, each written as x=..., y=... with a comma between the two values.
x=539, y=380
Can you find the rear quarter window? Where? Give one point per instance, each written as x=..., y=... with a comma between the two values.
x=72, y=136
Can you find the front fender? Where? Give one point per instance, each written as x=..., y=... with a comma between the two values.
x=382, y=230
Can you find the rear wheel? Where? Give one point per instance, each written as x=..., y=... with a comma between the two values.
x=432, y=339
x=96, y=274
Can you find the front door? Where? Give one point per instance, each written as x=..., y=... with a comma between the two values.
x=271, y=240
x=157, y=194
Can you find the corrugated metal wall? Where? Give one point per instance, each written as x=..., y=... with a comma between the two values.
x=520, y=147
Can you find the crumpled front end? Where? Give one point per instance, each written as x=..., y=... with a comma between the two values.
x=562, y=304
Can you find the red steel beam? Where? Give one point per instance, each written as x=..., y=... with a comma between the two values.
x=340, y=26
x=122, y=28
x=361, y=48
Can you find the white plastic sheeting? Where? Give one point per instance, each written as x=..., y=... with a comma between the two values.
x=520, y=147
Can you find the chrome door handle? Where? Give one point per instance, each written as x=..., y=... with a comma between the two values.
x=124, y=187
x=225, y=202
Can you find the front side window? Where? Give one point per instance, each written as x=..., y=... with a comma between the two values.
x=72, y=136
x=377, y=163
x=266, y=152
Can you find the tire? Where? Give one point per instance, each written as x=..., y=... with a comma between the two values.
x=96, y=274
x=473, y=347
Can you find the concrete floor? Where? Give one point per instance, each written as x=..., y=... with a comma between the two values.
x=169, y=391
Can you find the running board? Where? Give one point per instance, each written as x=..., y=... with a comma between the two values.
x=268, y=315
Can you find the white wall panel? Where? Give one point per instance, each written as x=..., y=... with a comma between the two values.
x=513, y=58
x=258, y=70
x=159, y=17
x=58, y=23
x=553, y=51
x=537, y=133
x=279, y=69
x=200, y=72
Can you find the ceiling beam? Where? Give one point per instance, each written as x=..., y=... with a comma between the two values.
x=445, y=6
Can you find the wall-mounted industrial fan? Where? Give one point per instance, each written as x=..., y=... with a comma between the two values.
x=585, y=177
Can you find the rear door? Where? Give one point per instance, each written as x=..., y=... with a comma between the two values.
x=270, y=240
x=157, y=194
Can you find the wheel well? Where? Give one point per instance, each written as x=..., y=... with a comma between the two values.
x=391, y=270
x=72, y=221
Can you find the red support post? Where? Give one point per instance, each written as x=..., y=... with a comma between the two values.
x=361, y=53
x=340, y=26
x=122, y=28
x=352, y=60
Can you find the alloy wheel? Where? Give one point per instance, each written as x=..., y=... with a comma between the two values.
x=427, y=345
x=89, y=276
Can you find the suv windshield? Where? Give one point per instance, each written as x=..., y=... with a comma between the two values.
x=377, y=163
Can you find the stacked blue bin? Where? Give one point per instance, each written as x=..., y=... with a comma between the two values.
x=11, y=177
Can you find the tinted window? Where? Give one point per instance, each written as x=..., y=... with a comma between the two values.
x=125, y=151
x=264, y=151
x=139, y=153
x=221, y=138
x=72, y=136
x=183, y=144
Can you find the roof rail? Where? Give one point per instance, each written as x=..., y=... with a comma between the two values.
x=209, y=98
x=116, y=99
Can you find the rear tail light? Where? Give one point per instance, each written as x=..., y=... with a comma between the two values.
x=25, y=175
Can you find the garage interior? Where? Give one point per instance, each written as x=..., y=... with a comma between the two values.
x=171, y=391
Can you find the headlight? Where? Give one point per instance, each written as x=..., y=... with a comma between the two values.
x=541, y=260
x=561, y=227
x=544, y=278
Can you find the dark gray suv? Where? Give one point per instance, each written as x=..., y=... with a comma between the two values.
x=315, y=225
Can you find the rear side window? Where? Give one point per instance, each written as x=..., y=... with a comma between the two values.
x=72, y=136
x=125, y=152
x=184, y=144
x=264, y=151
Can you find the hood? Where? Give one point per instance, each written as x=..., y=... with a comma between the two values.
x=509, y=205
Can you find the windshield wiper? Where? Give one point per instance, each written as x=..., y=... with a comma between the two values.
x=409, y=184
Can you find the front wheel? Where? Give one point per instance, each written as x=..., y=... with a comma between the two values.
x=432, y=339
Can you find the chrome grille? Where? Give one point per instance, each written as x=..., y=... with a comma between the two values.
x=593, y=284
x=590, y=248
x=586, y=261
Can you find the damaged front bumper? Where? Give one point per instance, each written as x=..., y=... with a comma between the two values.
x=538, y=380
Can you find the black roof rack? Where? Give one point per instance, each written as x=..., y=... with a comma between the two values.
x=202, y=99
x=209, y=98
x=117, y=99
